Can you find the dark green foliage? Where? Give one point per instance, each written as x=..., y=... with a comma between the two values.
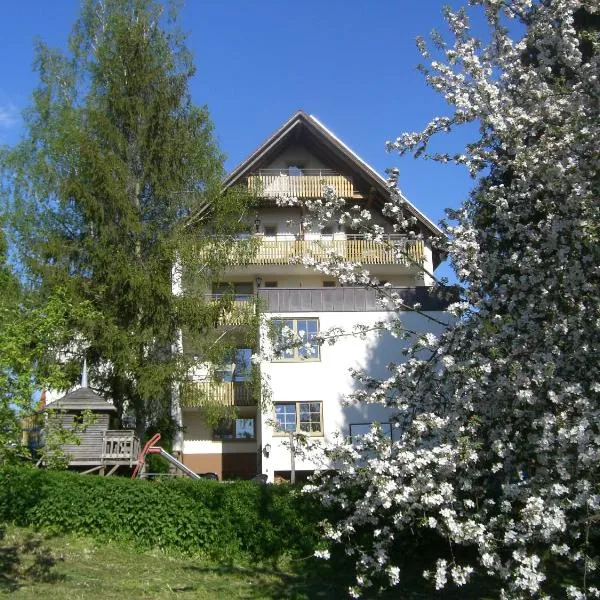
x=31, y=328
x=237, y=520
x=118, y=180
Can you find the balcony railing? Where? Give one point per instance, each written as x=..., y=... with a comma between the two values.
x=120, y=445
x=274, y=183
x=237, y=310
x=226, y=393
x=394, y=250
x=351, y=299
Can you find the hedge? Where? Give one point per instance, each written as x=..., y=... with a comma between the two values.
x=241, y=520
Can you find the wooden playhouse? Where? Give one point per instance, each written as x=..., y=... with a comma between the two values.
x=101, y=448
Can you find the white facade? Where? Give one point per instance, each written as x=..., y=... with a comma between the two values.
x=313, y=388
x=328, y=380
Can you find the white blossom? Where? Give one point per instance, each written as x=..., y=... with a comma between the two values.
x=498, y=418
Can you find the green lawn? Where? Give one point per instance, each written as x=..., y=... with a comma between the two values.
x=35, y=566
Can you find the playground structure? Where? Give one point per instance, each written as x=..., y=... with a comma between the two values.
x=100, y=450
x=151, y=448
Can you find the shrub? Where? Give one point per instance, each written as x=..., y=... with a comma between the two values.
x=239, y=520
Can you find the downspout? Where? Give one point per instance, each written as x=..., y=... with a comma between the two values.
x=177, y=349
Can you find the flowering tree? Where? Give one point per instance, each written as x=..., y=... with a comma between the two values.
x=498, y=419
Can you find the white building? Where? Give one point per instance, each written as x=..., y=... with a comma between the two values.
x=306, y=389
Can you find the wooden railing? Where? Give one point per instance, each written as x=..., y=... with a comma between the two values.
x=237, y=312
x=393, y=250
x=389, y=252
x=354, y=299
x=227, y=393
x=31, y=430
x=299, y=186
x=120, y=445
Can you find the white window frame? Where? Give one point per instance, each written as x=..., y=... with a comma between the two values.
x=296, y=350
x=297, y=405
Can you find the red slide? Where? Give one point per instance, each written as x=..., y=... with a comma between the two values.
x=150, y=448
x=142, y=457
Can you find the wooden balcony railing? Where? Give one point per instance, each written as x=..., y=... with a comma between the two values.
x=299, y=186
x=393, y=251
x=120, y=445
x=227, y=393
x=239, y=311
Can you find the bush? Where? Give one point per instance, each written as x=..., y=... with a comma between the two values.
x=240, y=520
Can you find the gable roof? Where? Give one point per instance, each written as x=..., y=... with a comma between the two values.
x=82, y=399
x=304, y=126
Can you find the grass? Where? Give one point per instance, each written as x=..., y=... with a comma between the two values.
x=34, y=566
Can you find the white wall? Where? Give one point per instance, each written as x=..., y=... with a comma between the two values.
x=328, y=380
x=198, y=436
x=287, y=220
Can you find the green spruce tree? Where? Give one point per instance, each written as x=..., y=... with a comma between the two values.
x=114, y=189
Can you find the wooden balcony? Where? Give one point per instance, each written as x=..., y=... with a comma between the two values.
x=395, y=250
x=353, y=299
x=227, y=393
x=237, y=310
x=120, y=445
x=275, y=184
x=285, y=250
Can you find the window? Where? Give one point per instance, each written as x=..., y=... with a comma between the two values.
x=270, y=230
x=294, y=169
x=78, y=419
x=286, y=417
x=299, y=331
x=235, y=429
x=243, y=364
x=327, y=230
x=270, y=284
x=299, y=417
x=239, y=369
x=329, y=284
x=358, y=430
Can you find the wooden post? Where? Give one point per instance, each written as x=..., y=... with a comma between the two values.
x=96, y=468
x=112, y=470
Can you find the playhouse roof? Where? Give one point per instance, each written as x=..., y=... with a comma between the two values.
x=83, y=399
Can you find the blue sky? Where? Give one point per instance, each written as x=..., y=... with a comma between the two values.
x=350, y=63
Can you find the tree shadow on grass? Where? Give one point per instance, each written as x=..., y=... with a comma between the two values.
x=318, y=580
x=25, y=560
x=304, y=584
